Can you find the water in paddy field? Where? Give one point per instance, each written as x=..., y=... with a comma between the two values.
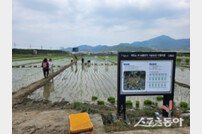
x=26, y=75
x=182, y=75
x=80, y=82
x=15, y=63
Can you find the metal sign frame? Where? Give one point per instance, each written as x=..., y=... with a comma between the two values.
x=134, y=56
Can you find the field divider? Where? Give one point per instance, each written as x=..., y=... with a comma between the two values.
x=36, y=62
x=182, y=84
x=24, y=91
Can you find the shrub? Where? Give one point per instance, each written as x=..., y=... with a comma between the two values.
x=148, y=111
x=188, y=123
x=100, y=102
x=147, y=102
x=159, y=98
x=137, y=104
x=129, y=103
x=82, y=108
x=111, y=100
x=94, y=98
x=183, y=104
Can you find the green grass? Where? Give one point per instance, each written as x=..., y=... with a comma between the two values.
x=137, y=103
x=129, y=103
x=100, y=102
x=148, y=102
x=159, y=98
x=110, y=58
x=111, y=100
x=155, y=103
x=94, y=98
x=82, y=108
x=18, y=57
x=183, y=104
x=179, y=58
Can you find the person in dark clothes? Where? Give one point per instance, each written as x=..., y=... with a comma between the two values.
x=45, y=66
x=82, y=60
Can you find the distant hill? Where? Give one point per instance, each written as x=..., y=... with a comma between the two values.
x=162, y=42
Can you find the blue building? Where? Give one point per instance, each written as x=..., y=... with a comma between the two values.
x=75, y=49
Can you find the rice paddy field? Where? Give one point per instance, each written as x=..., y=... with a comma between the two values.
x=28, y=71
x=79, y=83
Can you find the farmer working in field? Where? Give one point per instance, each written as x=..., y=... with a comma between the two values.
x=45, y=66
x=82, y=60
x=71, y=60
x=75, y=59
x=50, y=65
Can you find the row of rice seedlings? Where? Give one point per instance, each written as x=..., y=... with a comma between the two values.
x=78, y=89
x=84, y=89
x=101, y=102
x=31, y=66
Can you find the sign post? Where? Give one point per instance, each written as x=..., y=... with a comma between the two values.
x=145, y=73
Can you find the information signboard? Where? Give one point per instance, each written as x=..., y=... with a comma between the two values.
x=146, y=76
x=145, y=73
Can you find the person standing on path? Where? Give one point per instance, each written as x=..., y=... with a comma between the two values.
x=72, y=60
x=50, y=65
x=82, y=60
x=75, y=59
x=45, y=66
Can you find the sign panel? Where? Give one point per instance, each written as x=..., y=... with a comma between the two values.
x=145, y=76
x=146, y=73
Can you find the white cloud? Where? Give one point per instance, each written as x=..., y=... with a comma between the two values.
x=67, y=23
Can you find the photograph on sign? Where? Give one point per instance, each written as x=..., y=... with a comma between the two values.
x=134, y=80
x=146, y=76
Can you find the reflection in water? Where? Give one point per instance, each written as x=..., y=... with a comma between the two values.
x=72, y=68
x=82, y=85
x=76, y=69
x=48, y=88
x=95, y=68
x=88, y=65
x=106, y=68
x=82, y=67
x=182, y=69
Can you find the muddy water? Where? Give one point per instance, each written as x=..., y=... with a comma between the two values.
x=15, y=63
x=80, y=83
x=22, y=77
x=183, y=75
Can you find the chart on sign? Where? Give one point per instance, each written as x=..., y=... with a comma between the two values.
x=146, y=76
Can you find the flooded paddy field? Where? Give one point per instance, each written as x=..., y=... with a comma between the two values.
x=29, y=73
x=23, y=62
x=80, y=82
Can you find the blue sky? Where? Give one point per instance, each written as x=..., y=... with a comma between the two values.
x=67, y=23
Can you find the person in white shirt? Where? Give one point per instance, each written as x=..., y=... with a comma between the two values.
x=71, y=60
x=50, y=65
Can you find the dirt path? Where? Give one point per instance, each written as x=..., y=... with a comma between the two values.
x=56, y=122
x=32, y=87
x=48, y=122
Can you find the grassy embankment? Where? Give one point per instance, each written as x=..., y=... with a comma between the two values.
x=28, y=54
x=178, y=59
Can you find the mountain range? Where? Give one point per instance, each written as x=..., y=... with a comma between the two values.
x=159, y=43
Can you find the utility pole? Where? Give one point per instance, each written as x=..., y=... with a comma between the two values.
x=14, y=45
x=41, y=47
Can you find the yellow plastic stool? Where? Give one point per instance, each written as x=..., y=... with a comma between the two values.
x=80, y=123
